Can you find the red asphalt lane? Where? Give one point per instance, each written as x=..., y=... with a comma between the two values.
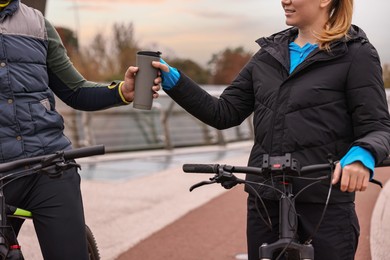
x=216, y=230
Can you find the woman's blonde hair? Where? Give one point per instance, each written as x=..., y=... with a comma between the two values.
x=338, y=25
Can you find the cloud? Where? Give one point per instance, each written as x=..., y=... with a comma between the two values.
x=197, y=28
x=118, y=1
x=104, y=5
x=213, y=14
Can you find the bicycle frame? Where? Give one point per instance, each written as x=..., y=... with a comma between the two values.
x=288, y=168
x=18, y=212
x=287, y=224
x=53, y=165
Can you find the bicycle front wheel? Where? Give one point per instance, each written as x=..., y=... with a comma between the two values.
x=93, y=250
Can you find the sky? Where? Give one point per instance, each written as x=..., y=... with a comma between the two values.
x=197, y=29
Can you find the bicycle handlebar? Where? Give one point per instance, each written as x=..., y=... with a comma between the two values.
x=214, y=168
x=66, y=154
x=277, y=164
x=84, y=152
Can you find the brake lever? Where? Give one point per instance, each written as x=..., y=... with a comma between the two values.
x=202, y=183
x=377, y=182
x=56, y=170
x=373, y=181
x=228, y=180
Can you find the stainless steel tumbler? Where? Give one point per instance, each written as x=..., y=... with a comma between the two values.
x=143, y=93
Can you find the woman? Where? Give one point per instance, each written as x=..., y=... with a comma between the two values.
x=316, y=90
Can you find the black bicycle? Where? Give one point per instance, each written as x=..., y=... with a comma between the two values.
x=53, y=165
x=282, y=169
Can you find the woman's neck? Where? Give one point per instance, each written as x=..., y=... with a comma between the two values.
x=306, y=34
x=305, y=37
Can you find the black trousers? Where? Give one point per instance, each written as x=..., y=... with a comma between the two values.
x=57, y=210
x=336, y=239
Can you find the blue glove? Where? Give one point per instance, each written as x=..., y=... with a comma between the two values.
x=357, y=153
x=169, y=79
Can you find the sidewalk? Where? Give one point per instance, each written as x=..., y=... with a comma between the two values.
x=373, y=225
x=156, y=217
x=121, y=213
x=216, y=230
x=380, y=225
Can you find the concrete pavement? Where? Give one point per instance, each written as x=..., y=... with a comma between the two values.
x=380, y=225
x=123, y=213
x=216, y=230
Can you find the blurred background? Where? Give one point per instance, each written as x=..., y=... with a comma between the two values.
x=209, y=41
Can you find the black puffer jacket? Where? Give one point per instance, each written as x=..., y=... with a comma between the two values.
x=332, y=101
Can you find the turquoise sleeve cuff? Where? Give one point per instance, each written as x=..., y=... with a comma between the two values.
x=357, y=153
x=169, y=79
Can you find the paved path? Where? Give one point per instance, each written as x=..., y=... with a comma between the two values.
x=216, y=230
x=156, y=217
x=122, y=213
x=367, y=208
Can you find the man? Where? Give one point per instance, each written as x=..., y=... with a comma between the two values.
x=33, y=65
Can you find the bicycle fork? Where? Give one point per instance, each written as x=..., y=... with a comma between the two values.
x=287, y=226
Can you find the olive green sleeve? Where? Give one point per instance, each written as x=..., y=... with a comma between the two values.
x=70, y=86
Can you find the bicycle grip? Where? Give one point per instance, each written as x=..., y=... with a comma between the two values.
x=201, y=168
x=84, y=152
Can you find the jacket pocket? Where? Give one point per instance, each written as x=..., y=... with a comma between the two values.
x=46, y=121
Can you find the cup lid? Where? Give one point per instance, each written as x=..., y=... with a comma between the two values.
x=150, y=53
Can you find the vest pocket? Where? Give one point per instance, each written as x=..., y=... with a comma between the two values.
x=46, y=122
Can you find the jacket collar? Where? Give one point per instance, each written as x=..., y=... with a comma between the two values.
x=9, y=10
x=277, y=45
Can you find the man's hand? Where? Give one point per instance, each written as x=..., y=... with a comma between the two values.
x=127, y=88
x=354, y=177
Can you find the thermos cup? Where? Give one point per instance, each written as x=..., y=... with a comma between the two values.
x=144, y=80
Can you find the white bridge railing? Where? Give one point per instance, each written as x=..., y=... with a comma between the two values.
x=166, y=126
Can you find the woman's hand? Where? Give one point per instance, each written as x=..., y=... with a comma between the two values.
x=161, y=66
x=169, y=75
x=354, y=177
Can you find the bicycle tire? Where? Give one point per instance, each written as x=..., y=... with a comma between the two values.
x=93, y=251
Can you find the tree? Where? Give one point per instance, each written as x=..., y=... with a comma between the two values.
x=69, y=40
x=227, y=64
x=106, y=60
x=97, y=61
x=37, y=4
x=386, y=75
x=125, y=47
x=191, y=69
